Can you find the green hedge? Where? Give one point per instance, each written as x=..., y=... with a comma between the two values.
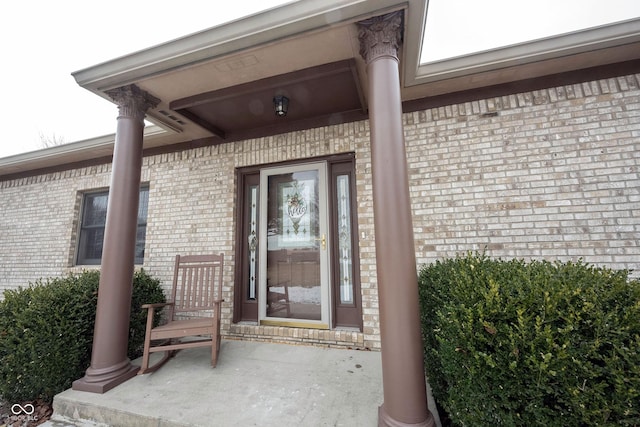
x=46, y=332
x=146, y=290
x=510, y=343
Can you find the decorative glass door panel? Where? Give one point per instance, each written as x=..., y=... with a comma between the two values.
x=294, y=276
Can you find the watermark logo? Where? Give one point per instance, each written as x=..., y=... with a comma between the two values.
x=27, y=409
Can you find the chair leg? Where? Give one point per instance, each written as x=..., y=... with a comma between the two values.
x=145, y=362
x=145, y=368
x=147, y=341
x=215, y=346
x=145, y=355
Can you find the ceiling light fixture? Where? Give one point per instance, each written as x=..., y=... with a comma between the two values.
x=281, y=104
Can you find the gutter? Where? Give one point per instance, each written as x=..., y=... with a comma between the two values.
x=265, y=27
x=71, y=152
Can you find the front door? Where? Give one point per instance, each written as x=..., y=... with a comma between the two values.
x=294, y=263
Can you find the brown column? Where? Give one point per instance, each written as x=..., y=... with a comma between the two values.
x=110, y=365
x=405, y=396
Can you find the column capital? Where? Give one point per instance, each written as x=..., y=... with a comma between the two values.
x=132, y=101
x=381, y=36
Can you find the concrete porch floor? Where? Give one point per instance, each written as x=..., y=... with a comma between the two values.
x=254, y=384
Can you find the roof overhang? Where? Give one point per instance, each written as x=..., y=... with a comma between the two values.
x=592, y=47
x=256, y=56
x=235, y=68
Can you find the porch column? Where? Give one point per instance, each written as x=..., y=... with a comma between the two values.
x=110, y=365
x=405, y=396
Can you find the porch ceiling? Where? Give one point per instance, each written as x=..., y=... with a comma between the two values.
x=218, y=85
x=320, y=95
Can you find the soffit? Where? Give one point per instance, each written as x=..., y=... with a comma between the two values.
x=320, y=95
x=509, y=73
x=320, y=71
x=74, y=153
x=592, y=47
x=298, y=37
x=331, y=45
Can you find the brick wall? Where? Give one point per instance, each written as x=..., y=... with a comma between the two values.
x=547, y=174
x=192, y=210
x=39, y=223
x=550, y=174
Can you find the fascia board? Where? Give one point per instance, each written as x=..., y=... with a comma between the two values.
x=590, y=39
x=414, y=36
x=265, y=27
x=55, y=155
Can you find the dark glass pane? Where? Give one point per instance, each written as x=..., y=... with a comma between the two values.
x=95, y=209
x=253, y=193
x=94, y=217
x=140, y=241
x=143, y=206
x=90, y=247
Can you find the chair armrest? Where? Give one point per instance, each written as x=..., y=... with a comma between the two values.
x=156, y=305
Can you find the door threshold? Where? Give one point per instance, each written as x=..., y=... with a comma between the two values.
x=294, y=324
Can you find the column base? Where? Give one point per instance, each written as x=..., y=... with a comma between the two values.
x=102, y=380
x=385, y=420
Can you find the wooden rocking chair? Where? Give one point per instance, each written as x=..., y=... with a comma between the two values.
x=194, y=310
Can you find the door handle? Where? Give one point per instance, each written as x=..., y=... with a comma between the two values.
x=323, y=242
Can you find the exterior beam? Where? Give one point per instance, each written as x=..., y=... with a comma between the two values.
x=110, y=365
x=405, y=395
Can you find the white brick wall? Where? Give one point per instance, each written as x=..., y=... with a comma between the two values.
x=545, y=174
x=39, y=221
x=555, y=174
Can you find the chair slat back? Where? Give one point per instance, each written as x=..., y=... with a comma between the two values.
x=197, y=282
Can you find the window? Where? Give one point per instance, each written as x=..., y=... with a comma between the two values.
x=346, y=286
x=94, y=216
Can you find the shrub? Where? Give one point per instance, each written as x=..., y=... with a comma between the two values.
x=146, y=290
x=510, y=343
x=46, y=332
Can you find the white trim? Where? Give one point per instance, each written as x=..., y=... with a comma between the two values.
x=264, y=27
x=591, y=39
x=57, y=154
x=325, y=273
